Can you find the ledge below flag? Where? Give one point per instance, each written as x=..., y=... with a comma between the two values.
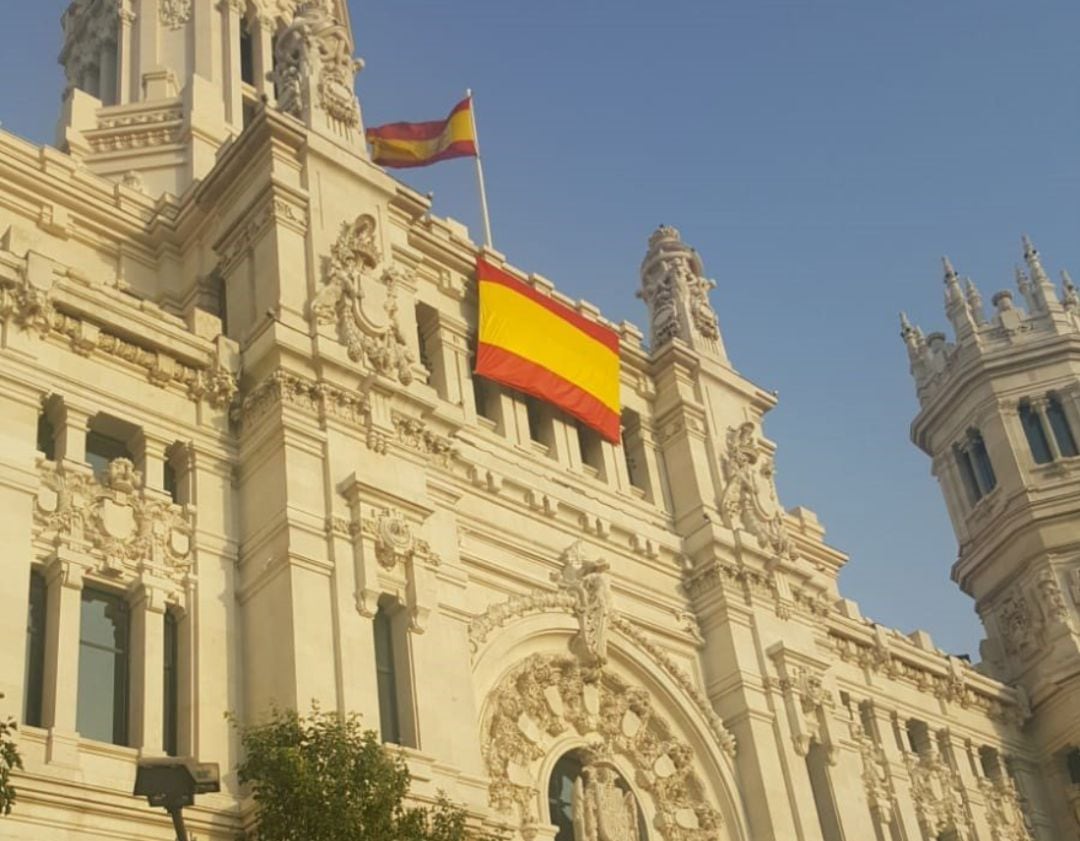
x=419, y=144
x=537, y=345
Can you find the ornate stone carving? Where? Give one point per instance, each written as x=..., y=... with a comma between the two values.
x=349, y=276
x=602, y=810
x=395, y=542
x=413, y=434
x=175, y=13
x=90, y=27
x=548, y=696
x=565, y=601
x=876, y=776
x=938, y=793
x=1019, y=626
x=1051, y=599
x=590, y=586
x=744, y=503
x=1006, y=812
x=676, y=291
x=314, y=58
x=125, y=528
x=28, y=302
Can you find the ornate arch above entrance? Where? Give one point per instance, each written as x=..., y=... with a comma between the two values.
x=549, y=698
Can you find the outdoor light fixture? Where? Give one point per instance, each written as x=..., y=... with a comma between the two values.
x=171, y=784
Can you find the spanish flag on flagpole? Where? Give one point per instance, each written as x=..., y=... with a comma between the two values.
x=402, y=145
x=419, y=144
x=533, y=343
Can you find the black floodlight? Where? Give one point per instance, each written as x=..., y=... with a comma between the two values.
x=170, y=783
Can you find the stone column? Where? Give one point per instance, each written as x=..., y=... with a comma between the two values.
x=70, y=424
x=125, y=48
x=231, y=11
x=60, y=695
x=147, y=657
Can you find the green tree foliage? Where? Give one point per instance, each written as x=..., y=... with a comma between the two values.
x=9, y=761
x=323, y=777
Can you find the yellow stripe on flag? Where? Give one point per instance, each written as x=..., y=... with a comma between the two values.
x=521, y=326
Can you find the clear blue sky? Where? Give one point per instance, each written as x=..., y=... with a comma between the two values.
x=820, y=155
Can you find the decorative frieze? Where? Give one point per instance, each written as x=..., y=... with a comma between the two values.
x=937, y=791
x=175, y=13
x=1006, y=812
x=414, y=434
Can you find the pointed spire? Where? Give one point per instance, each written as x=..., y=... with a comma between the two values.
x=975, y=301
x=1044, y=293
x=1023, y=284
x=953, y=293
x=1070, y=300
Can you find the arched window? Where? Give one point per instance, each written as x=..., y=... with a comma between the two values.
x=572, y=774
x=1059, y=424
x=1036, y=435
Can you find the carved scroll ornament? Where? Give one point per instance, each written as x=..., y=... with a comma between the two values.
x=749, y=498
x=350, y=275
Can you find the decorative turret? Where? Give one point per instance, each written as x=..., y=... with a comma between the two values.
x=156, y=87
x=676, y=291
x=1000, y=418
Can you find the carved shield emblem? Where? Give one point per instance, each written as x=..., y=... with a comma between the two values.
x=118, y=521
x=179, y=543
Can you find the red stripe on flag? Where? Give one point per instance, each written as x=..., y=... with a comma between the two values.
x=458, y=149
x=508, y=368
x=487, y=273
x=417, y=131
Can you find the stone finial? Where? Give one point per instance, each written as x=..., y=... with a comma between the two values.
x=1070, y=300
x=1002, y=301
x=1043, y=294
x=913, y=338
x=975, y=301
x=676, y=291
x=953, y=293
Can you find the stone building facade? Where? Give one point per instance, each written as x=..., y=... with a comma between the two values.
x=243, y=461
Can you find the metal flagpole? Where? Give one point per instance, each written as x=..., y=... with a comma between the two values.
x=479, y=171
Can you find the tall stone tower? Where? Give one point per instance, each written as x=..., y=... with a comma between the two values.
x=155, y=88
x=1000, y=418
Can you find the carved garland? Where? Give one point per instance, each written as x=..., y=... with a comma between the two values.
x=743, y=501
x=548, y=697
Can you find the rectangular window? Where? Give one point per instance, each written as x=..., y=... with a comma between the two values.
x=818, y=769
x=46, y=437
x=1036, y=435
x=104, y=630
x=534, y=417
x=984, y=470
x=592, y=455
x=247, y=54
x=1059, y=424
x=172, y=484
x=386, y=678
x=171, y=712
x=35, y=651
x=1072, y=762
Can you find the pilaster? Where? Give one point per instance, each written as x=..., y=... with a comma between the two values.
x=64, y=582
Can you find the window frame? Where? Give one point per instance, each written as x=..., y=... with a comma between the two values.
x=122, y=684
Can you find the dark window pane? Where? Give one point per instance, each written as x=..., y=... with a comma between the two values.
x=967, y=475
x=532, y=412
x=386, y=678
x=247, y=55
x=46, y=437
x=170, y=713
x=1072, y=761
x=1055, y=413
x=980, y=458
x=172, y=486
x=101, y=712
x=561, y=796
x=35, y=650
x=1036, y=435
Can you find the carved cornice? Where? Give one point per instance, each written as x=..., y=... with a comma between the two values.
x=32, y=308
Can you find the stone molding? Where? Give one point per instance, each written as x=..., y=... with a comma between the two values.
x=550, y=697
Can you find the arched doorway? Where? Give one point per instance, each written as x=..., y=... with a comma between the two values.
x=589, y=800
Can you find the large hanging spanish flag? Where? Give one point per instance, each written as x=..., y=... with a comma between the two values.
x=537, y=345
x=419, y=144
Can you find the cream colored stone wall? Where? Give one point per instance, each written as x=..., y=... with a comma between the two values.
x=324, y=467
